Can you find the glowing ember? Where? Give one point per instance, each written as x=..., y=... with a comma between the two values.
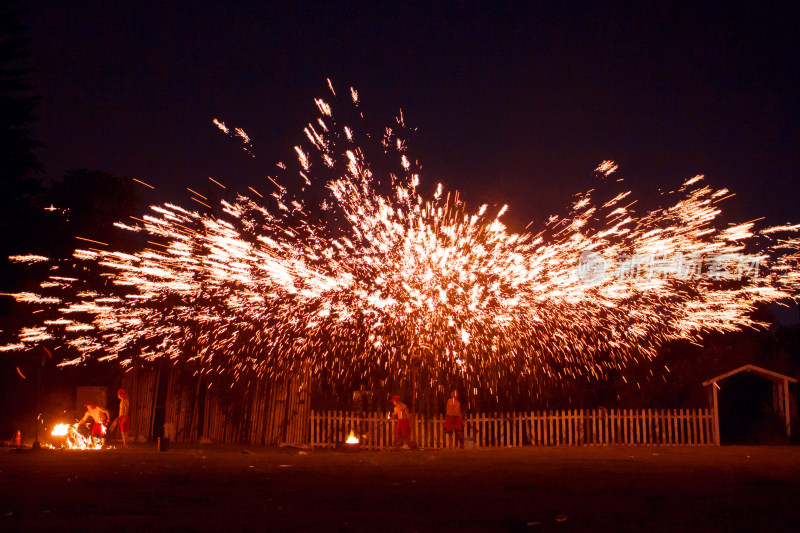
x=354, y=285
x=351, y=438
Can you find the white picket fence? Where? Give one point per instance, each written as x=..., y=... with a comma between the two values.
x=597, y=427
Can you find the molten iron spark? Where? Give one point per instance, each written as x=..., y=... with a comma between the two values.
x=353, y=286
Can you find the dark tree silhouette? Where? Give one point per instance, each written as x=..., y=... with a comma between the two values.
x=19, y=168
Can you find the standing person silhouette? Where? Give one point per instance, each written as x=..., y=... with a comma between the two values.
x=452, y=420
x=123, y=419
x=403, y=429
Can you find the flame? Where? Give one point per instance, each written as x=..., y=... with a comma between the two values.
x=74, y=440
x=351, y=438
x=60, y=430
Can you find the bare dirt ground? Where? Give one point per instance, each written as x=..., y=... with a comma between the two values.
x=524, y=489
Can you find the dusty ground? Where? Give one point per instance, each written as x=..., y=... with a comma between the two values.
x=524, y=489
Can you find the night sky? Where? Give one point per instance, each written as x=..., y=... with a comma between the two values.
x=513, y=104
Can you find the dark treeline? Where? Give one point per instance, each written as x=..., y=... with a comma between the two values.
x=43, y=214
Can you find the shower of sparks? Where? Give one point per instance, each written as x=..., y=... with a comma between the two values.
x=355, y=284
x=237, y=132
x=607, y=167
x=30, y=258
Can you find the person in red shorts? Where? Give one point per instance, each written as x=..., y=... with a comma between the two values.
x=403, y=429
x=123, y=419
x=452, y=420
x=100, y=416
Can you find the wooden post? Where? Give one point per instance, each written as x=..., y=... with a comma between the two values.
x=786, y=411
x=715, y=408
x=659, y=424
x=676, y=427
x=570, y=421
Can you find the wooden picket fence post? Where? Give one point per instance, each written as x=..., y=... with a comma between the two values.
x=592, y=427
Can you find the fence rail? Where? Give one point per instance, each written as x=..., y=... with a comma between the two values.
x=597, y=427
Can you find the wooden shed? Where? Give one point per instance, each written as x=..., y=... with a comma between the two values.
x=780, y=394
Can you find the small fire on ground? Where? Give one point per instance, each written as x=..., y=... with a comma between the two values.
x=74, y=440
x=351, y=438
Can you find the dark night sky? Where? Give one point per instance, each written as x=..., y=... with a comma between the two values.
x=513, y=104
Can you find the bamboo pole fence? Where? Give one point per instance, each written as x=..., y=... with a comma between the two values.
x=141, y=387
x=270, y=414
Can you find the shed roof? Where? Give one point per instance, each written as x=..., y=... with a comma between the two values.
x=769, y=374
